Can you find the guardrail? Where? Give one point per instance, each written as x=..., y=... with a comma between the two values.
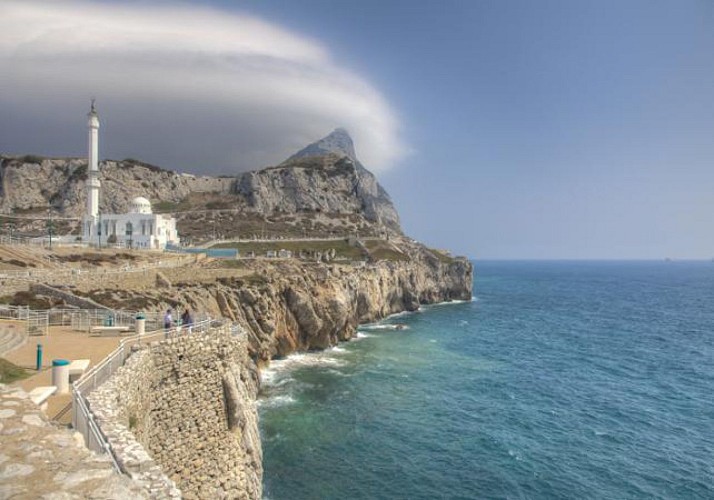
x=67, y=275
x=82, y=417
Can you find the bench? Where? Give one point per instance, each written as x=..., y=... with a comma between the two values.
x=39, y=395
x=109, y=331
x=77, y=369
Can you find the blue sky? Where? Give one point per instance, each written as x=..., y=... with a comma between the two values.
x=512, y=129
x=550, y=129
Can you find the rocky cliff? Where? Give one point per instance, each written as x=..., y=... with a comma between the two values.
x=324, y=178
x=30, y=183
x=290, y=305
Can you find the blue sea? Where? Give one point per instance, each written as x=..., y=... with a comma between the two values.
x=570, y=380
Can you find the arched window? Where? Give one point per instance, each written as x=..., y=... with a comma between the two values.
x=129, y=229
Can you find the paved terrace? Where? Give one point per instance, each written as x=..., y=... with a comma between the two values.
x=62, y=342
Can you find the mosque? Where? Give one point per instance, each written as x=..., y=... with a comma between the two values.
x=139, y=228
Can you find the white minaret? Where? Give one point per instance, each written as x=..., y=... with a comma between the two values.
x=93, y=169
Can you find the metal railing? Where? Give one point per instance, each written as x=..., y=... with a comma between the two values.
x=14, y=312
x=73, y=274
x=83, y=419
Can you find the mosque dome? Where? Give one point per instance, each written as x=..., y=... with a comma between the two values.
x=140, y=205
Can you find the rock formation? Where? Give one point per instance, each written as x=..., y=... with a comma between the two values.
x=324, y=178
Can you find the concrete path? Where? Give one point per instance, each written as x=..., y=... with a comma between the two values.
x=41, y=461
x=60, y=343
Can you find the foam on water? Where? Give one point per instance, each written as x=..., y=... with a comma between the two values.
x=275, y=401
x=385, y=326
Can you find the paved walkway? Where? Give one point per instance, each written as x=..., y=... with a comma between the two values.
x=60, y=343
x=41, y=461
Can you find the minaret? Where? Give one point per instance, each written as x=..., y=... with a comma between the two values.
x=93, y=168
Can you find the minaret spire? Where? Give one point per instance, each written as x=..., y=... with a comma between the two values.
x=93, y=183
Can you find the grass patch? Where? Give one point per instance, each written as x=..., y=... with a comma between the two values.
x=383, y=250
x=10, y=373
x=165, y=206
x=442, y=256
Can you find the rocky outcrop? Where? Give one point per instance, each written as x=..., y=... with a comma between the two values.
x=324, y=178
x=327, y=184
x=28, y=183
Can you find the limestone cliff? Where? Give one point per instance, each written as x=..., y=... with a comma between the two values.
x=29, y=183
x=289, y=305
x=320, y=180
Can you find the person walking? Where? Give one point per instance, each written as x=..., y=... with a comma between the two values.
x=187, y=320
x=168, y=322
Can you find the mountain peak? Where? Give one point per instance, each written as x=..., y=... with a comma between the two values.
x=337, y=142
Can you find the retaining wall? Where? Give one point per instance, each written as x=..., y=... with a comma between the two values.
x=183, y=411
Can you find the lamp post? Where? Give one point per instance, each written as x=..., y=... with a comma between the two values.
x=49, y=225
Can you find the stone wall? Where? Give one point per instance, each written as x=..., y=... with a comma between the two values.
x=186, y=405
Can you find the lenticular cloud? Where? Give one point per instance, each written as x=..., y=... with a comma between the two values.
x=185, y=87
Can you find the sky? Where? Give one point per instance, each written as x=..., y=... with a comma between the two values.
x=503, y=129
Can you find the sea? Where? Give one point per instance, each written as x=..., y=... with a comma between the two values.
x=559, y=380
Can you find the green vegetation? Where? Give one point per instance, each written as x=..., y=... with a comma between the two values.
x=250, y=279
x=219, y=205
x=11, y=373
x=26, y=298
x=165, y=206
x=232, y=264
x=383, y=250
x=442, y=256
x=149, y=166
x=78, y=174
x=31, y=159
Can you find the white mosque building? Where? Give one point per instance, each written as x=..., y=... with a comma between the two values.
x=139, y=228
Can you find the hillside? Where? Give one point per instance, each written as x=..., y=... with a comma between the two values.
x=321, y=190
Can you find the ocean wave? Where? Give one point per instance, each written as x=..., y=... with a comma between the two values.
x=275, y=401
x=385, y=326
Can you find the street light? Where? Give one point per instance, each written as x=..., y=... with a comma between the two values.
x=49, y=225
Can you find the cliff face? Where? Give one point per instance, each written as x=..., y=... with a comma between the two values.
x=328, y=184
x=28, y=183
x=317, y=309
x=324, y=178
x=287, y=306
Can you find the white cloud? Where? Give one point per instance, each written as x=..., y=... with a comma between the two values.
x=182, y=86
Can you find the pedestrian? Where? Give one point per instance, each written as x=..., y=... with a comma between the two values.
x=168, y=321
x=187, y=319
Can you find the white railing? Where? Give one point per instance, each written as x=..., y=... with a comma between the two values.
x=68, y=275
x=14, y=312
x=83, y=419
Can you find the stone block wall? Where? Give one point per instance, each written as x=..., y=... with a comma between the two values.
x=188, y=407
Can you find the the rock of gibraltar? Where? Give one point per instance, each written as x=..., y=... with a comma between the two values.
x=176, y=289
